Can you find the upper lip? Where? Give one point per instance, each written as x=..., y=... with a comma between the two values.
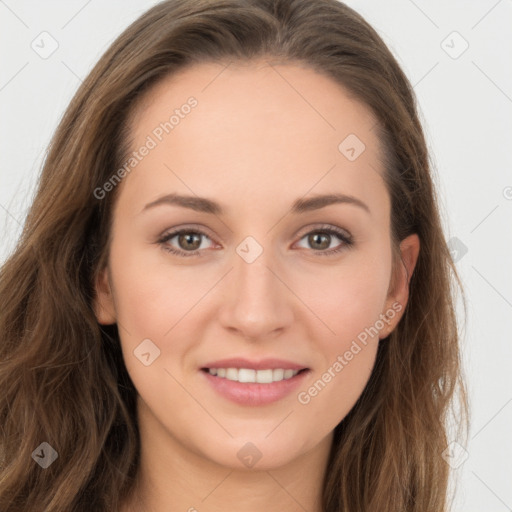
x=262, y=364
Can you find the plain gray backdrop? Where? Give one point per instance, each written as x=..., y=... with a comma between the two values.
x=456, y=54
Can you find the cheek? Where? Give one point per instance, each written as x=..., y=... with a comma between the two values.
x=347, y=298
x=150, y=297
x=350, y=305
x=328, y=397
x=352, y=313
x=151, y=304
x=158, y=302
x=349, y=301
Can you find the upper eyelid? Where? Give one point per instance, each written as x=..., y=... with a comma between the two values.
x=171, y=233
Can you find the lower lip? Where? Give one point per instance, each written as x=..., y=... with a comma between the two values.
x=254, y=393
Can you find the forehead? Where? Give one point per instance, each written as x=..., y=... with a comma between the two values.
x=254, y=127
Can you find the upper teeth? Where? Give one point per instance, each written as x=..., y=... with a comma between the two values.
x=250, y=375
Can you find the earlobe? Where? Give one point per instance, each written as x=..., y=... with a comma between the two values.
x=103, y=300
x=398, y=295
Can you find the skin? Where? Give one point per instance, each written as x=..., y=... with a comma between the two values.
x=260, y=137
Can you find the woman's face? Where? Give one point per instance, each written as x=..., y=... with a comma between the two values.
x=284, y=261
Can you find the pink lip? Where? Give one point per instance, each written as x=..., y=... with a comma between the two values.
x=253, y=393
x=264, y=364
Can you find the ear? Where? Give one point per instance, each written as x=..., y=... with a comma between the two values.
x=103, y=301
x=398, y=293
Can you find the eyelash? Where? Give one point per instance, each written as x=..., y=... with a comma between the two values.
x=329, y=230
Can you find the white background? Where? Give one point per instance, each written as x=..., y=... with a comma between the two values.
x=466, y=107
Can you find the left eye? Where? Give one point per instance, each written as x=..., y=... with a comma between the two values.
x=321, y=240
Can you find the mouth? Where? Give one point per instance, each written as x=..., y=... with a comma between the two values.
x=251, y=383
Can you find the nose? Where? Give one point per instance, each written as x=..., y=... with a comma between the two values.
x=257, y=303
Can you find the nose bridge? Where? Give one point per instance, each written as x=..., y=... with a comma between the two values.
x=254, y=278
x=258, y=301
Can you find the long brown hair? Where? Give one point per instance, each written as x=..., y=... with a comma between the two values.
x=62, y=377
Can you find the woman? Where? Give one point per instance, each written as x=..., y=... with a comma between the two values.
x=232, y=289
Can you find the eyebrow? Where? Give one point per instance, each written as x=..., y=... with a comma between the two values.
x=202, y=204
